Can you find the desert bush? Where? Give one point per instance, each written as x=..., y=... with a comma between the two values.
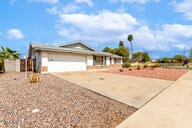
x=138, y=67
x=34, y=78
x=145, y=65
x=155, y=65
x=127, y=65
x=190, y=65
x=121, y=70
x=134, y=64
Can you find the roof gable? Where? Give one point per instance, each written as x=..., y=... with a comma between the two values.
x=77, y=45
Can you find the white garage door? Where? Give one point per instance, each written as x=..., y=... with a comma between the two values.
x=63, y=63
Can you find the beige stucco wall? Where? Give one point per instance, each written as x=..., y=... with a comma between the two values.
x=89, y=60
x=121, y=61
x=44, y=58
x=42, y=61
x=112, y=61
x=108, y=61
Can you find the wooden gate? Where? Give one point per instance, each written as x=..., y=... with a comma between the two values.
x=29, y=65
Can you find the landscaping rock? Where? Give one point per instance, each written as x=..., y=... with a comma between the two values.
x=58, y=103
x=157, y=73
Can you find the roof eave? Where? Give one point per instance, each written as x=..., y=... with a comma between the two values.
x=77, y=52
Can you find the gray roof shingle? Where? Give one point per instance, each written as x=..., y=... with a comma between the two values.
x=40, y=47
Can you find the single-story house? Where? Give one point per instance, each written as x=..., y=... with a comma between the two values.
x=75, y=56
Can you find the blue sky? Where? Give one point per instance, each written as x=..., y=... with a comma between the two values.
x=160, y=27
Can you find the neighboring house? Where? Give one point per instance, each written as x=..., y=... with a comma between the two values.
x=74, y=56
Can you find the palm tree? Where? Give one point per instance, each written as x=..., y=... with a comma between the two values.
x=130, y=39
x=7, y=53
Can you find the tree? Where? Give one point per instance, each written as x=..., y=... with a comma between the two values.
x=141, y=57
x=107, y=49
x=146, y=57
x=121, y=51
x=121, y=43
x=130, y=39
x=7, y=53
x=124, y=52
x=179, y=57
x=166, y=60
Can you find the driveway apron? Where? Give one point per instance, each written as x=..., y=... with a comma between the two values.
x=133, y=91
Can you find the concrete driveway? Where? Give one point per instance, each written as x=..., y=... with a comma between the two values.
x=170, y=109
x=133, y=91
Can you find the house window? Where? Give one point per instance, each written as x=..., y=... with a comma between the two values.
x=117, y=60
x=98, y=60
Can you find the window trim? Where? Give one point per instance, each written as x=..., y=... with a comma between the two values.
x=103, y=60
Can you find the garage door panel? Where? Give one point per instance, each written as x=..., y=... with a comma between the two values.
x=66, y=58
x=62, y=63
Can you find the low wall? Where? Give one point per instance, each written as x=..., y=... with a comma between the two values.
x=12, y=65
x=97, y=68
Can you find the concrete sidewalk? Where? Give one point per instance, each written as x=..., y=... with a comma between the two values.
x=170, y=109
x=133, y=91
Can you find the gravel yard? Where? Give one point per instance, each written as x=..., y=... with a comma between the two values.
x=158, y=73
x=54, y=102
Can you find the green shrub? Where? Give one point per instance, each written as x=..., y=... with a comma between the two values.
x=127, y=65
x=1, y=66
x=155, y=65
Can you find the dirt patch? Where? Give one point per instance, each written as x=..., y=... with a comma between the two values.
x=158, y=73
x=54, y=102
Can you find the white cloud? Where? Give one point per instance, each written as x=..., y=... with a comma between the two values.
x=185, y=8
x=45, y=1
x=53, y=11
x=100, y=27
x=14, y=34
x=69, y=8
x=133, y=1
x=106, y=20
x=88, y=2
x=106, y=26
x=121, y=9
x=178, y=30
x=170, y=37
x=181, y=46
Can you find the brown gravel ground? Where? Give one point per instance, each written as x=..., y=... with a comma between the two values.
x=61, y=104
x=158, y=73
